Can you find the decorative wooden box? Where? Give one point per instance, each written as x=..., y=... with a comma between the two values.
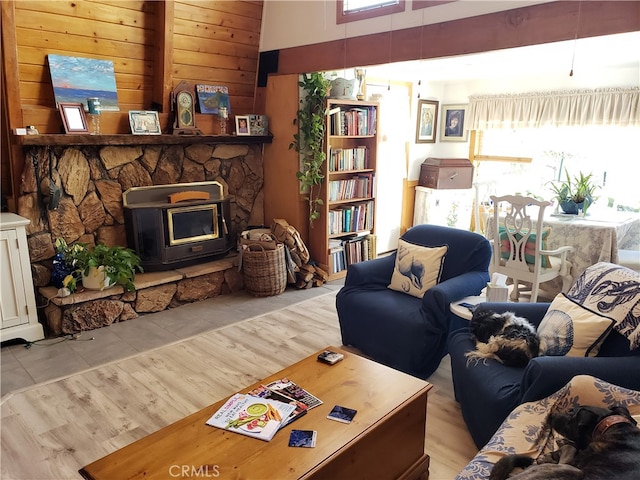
x=446, y=173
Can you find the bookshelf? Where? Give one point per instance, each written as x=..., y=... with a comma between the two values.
x=344, y=233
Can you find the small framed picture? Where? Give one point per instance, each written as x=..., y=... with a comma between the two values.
x=73, y=117
x=427, y=121
x=452, y=123
x=144, y=122
x=258, y=125
x=242, y=125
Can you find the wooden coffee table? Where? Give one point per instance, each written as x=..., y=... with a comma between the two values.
x=385, y=440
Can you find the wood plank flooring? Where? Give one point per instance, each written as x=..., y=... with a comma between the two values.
x=51, y=430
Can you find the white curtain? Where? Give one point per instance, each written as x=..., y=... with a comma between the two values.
x=606, y=106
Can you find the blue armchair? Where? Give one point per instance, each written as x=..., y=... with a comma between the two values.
x=405, y=332
x=488, y=391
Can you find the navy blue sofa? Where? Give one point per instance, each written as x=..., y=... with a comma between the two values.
x=488, y=392
x=405, y=332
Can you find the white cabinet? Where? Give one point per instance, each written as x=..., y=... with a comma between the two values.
x=18, y=315
x=448, y=207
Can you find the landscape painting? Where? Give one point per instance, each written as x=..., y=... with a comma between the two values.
x=75, y=79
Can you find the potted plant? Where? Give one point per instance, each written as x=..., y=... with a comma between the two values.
x=103, y=267
x=574, y=193
x=309, y=141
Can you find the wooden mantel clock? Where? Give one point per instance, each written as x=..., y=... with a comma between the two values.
x=183, y=106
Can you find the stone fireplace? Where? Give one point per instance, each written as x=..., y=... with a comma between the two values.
x=90, y=179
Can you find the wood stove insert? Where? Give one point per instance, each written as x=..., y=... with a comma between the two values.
x=173, y=226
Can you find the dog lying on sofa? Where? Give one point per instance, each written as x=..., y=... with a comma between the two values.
x=505, y=337
x=604, y=445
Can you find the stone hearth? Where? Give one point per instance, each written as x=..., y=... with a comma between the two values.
x=156, y=291
x=92, y=179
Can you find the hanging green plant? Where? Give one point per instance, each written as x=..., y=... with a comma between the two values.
x=309, y=141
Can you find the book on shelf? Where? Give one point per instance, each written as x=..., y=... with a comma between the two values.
x=292, y=390
x=336, y=255
x=255, y=417
x=262, y=391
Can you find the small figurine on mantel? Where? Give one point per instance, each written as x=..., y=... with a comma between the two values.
x=183, y=108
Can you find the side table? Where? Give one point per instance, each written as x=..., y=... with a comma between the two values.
x=464, y=312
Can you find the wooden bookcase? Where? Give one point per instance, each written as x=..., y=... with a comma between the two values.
x=348, y=191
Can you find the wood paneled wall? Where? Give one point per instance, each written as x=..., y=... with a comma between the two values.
x=153, y=45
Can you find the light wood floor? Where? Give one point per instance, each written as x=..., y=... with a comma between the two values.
x=50, y=430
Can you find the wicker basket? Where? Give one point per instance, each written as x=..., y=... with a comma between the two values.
x=264, y=271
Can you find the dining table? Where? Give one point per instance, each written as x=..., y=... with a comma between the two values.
x=595, y=237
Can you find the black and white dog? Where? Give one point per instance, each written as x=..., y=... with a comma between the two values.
x=505, y=337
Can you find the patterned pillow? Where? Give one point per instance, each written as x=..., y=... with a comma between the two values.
x=529, y=247
x=417, y=268
x=570, y=329
x=614, y=291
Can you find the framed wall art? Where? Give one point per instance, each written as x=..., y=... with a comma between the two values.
x=74, y=79
x=452, y=123
x=73, y=117
x=242, y=125
x=427, y=121
x=212, y=97
x=144, y=122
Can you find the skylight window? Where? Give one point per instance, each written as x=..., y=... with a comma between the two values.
x=353, y=10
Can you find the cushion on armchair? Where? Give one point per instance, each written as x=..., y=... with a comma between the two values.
x=568, y=328
x=614, y=291
x=417, y=269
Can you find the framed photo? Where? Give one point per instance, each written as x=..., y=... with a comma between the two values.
x=427, y=121
x=452, y=123
x=73, y=117
x=242, y=125
x=258, y=125
x=144, y=122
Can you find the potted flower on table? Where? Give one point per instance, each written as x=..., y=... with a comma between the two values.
x=99, y=266
x=575, y=194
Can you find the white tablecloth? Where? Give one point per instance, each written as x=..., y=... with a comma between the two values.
x=594, y=239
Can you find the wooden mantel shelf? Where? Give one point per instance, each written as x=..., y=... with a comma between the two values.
x=128, y=139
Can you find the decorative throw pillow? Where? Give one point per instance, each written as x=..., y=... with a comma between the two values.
x=570, y=329
x=417, y=268
x=614, y=291
x=529, y=248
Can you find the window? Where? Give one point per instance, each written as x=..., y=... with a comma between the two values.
x=526, y=160
x=354, y=10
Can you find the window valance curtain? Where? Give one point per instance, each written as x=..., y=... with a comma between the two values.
x=607, y=106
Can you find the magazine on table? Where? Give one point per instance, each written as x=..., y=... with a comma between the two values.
x=263, y=392
x=252, y=416
x=290, y=389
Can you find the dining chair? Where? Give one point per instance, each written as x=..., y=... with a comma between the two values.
x=519, y=245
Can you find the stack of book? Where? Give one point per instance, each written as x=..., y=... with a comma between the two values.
x=261, y=412
x=354, y=249
x=358, y=186
x=346, y=159
x=353, y=121
x=352, y=218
